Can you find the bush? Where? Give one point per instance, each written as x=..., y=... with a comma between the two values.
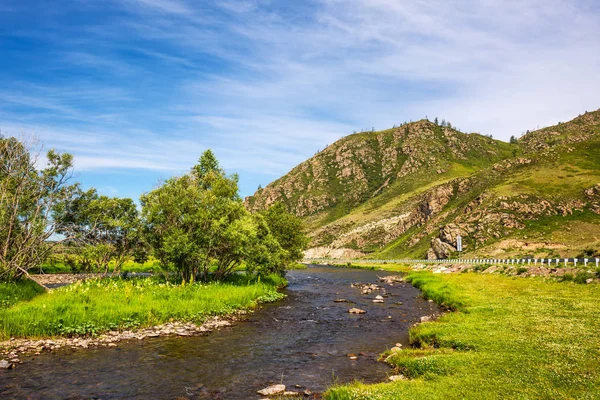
x=567, y=278
x=582, y=276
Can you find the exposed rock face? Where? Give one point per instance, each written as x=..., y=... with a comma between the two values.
x=593, y=196
x=328, y=252
x=439, y=249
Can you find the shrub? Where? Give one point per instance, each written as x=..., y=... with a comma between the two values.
x=582, y=277
x=567, y=278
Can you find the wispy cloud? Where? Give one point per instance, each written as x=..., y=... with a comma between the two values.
x=150, y=84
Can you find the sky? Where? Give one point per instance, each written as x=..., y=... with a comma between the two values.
x=136, y=90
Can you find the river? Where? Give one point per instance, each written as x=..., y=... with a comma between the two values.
x=303, y=340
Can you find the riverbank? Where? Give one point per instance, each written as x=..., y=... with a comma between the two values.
x=509, y=337
x=307, y=341
x=80, y=314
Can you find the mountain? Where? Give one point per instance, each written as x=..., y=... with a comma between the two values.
x=410, y=190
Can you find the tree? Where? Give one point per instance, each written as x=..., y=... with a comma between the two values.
x=288, y=230
x=102, y=228
x=513, y=139
x=28, y=197
x=435, y=121
x=197, y=221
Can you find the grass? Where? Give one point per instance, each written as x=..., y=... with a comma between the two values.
x=56, y=265
x=509, y=337
x=13, y=292
x=296, y=265
x=94, y=306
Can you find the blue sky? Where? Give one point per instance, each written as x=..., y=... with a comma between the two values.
x=138, y=89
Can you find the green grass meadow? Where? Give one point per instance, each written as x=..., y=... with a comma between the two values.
x=507, y=338
x=94, y=306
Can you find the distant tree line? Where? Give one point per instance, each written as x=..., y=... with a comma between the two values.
x=195, y=224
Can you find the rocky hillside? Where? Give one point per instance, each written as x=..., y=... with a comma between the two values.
x=409, y=191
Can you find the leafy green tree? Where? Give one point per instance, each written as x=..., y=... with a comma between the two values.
x=289, y=232
x=28, y=197
x=197, y=220
x=102, y=228
x=513, y=139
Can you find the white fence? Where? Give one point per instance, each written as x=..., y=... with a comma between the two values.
x=530, y=262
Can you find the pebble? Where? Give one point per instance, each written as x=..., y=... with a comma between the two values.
x=356, y=311
x=272, y=390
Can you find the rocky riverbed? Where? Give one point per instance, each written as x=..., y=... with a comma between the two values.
x=305, y=342
x=14, y=348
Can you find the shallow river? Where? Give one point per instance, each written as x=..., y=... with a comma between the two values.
x=302, y=340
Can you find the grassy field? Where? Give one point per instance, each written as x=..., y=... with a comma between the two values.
x=94, y=306
x=509, y=337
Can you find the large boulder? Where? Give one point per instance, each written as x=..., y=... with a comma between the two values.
x=440, y=250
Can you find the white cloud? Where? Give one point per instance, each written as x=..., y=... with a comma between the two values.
x=266, y=86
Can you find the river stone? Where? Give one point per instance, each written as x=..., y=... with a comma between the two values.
x=378, y=297
x=272, y=390
x=377, y=301
x=356, y=311
x=6, y=365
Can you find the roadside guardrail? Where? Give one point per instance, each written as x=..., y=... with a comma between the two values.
x=533, y=262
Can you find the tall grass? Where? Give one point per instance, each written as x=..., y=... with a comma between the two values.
x=93, y=306
x=13, y=292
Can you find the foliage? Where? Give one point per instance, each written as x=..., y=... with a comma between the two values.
x=197, y=224
x=102, y=229
x=28, y=197
x=288, y=230
x=94, y=306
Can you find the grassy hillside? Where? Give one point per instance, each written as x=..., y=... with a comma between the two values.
x=409, y=191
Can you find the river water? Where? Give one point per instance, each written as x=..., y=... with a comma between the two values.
x=302, y=340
